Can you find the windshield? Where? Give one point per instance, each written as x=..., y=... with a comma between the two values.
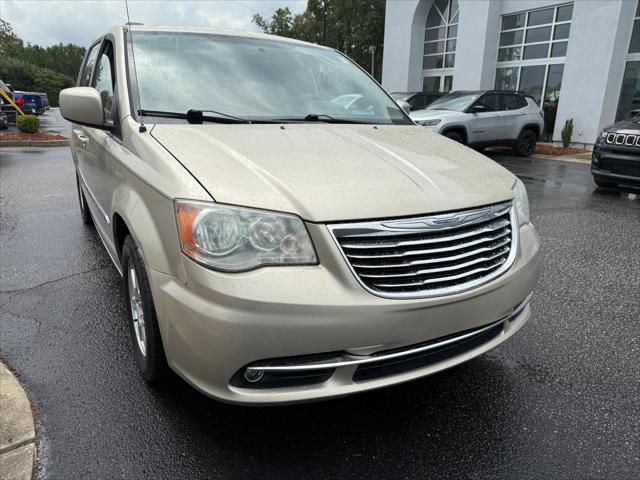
x=255, y=79
x=457, y=102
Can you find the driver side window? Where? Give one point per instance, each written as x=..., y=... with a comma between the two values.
x=103, y=81
x=490, y=102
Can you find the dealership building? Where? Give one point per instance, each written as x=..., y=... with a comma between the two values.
x=579, y=60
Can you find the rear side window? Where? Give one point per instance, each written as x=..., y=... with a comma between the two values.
x=85, y=76
x=513, y=102
x=104, y=80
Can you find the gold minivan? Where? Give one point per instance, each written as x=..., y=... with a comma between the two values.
x=284, y=231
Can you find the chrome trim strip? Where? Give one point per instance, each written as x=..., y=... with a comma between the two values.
x=404, y=243
x=350, y=360
x=490, y=212
x=426, y=271
x=410, y=253
x=93, y=199
x=430, y=261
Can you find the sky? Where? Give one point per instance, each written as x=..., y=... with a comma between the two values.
x=49, y=22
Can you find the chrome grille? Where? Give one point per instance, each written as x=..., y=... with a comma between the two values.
x=430, y=256
x=623, y=140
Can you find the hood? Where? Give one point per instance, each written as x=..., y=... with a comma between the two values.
x=325, y=172
x=630, y=125
x=427, y=114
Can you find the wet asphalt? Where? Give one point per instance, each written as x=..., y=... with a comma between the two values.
x=558, y=400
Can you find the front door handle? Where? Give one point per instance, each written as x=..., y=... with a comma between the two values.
x=82, y=138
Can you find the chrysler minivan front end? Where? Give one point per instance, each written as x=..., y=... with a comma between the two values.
x=277, y=243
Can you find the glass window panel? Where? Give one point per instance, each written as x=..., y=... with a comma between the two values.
x=554, y=82
x=511, y=38
x=509, y=54
x=638, y=10
x=551, y=98
x=449, y=60
x=433, y=47
x=443, y=6
x=561, y=31
x=540, y=17
x=635, y=38
x=531, y=79
x=431, y=84
x=559, y=49
x=536, y=51
x=453, y=11
x=564, y=13
x=513, y=21
x=448, y=83
x=434, y=19
x=541, y=34
x=433, y=61
x=507, y=78
x=435, y=34
x=630, y=91
x=103, y=82
x=453, y=31
x=451, y=45
x=455, y=18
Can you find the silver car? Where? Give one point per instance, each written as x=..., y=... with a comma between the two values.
x=279, y=243
x=485, y=118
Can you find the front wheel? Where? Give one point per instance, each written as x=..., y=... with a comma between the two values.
x=147, y=346
x=455, y=136
x=84, y=209
x=526, y=143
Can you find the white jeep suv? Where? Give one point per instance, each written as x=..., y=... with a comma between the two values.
x=483, y=118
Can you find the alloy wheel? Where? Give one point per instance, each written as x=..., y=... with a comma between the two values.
x=137, y=312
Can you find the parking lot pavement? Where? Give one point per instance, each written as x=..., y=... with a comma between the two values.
x=558, y=400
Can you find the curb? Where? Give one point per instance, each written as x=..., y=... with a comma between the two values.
x=35, y=143
x=17, y=430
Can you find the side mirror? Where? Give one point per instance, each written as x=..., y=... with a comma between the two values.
x=478, y=109
x=83, y=105
x=404, y=106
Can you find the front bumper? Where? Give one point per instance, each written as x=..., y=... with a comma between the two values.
x=616, y=165
x=214, y=325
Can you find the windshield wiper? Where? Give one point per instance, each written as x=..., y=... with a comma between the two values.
x=195, y=116
x=322, y=117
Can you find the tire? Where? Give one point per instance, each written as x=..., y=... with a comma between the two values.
x=84, y=209
x=144, y=331
x=526, y=143
x=455, y=136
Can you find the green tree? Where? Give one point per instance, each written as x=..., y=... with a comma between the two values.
x=35, y=68
x=351, y=26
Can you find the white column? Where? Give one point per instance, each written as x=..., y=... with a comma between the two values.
x=404, y=44
x=477, y=46
x=594, y=66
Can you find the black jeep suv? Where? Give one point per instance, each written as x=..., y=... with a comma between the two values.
x=615, y=162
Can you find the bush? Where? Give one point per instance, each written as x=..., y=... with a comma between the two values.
x=567, y=132
x=28, y=123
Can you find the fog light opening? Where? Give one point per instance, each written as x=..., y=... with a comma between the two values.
x=253, y=376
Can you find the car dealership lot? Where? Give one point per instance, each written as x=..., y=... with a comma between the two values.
x=558, y=400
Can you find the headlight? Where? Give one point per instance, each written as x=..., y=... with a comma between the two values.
x=234, y=238
x=521, y=201
x=429, y=123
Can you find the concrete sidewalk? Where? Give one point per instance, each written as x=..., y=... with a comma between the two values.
x=17, y=432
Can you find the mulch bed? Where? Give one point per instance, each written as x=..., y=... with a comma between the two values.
x=558, y=151
x=28, y=137
x=547, y=149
